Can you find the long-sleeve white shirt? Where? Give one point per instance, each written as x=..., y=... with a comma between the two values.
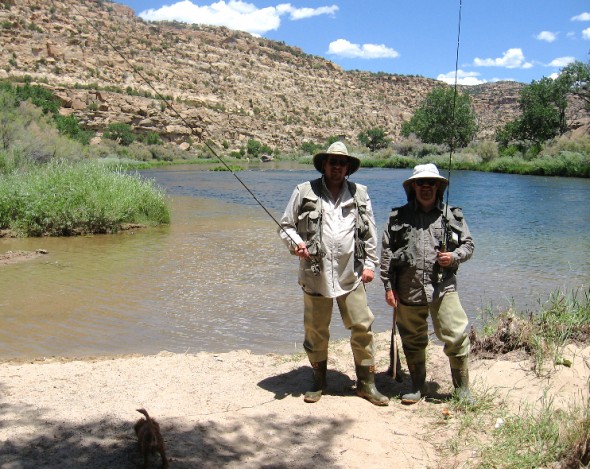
x=339, y=272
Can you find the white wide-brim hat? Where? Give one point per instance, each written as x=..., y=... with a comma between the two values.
x=337, y=149
x=425, y=171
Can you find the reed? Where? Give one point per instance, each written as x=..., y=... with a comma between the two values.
x=63, y=199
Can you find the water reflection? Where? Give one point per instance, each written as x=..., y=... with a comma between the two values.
x=219, y=279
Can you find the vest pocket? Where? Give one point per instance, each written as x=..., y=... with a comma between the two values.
x=308, y=223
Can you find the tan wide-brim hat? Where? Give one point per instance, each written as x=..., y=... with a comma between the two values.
x=425, y=171
x=337, y=149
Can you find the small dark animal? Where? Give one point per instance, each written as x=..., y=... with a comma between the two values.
x=149, y=438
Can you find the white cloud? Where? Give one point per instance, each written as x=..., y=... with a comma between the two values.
x=463, y=78
x=303, y=13
x=581, y=17
x=547, y=36
x=344, y=48
x=553, y=76
x=512, y=58
x=561, y=62
x=586, y=33
x=234, y=14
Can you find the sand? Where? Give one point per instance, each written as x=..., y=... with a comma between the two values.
x=243, y=410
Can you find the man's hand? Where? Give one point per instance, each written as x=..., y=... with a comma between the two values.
x=368, y=276
x=444, y=259
x=301, y=251
x=391, y=298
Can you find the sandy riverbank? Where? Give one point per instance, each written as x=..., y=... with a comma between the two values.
x=243, y=410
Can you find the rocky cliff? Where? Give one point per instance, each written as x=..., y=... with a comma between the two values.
x=107, y=65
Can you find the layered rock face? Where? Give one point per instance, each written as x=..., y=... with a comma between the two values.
x=107, y=66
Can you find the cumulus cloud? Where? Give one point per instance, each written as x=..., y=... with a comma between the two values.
x=347, y=49
x=581, y=17
x=463, y=78
x=303, y=13
x=586, y=33
x=512, y=58
x=234, y=14
x=561, y=62
x=547, y=36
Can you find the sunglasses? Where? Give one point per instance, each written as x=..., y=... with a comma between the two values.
x=337, y=162
x=426, y=182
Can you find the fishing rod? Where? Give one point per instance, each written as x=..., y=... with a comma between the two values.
x=394, y=360
x=169, y=105
x=452, y=141
x=445, y=218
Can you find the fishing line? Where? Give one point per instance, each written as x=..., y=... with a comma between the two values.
x=452, y=141
x=175, y=112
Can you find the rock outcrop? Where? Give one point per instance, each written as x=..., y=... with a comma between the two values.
x=107, y=65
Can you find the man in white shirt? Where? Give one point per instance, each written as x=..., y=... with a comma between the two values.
x=329, y=225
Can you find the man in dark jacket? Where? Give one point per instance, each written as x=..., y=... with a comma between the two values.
x=422, y=246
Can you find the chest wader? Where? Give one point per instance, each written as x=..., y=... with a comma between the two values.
x=309, y=227
x=450, y=239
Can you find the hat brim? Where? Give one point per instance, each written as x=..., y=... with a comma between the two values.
x=353, y=162
x=408, y=182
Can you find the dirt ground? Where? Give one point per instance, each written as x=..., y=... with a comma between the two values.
x=243, y=410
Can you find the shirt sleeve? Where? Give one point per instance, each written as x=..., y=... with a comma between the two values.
x=288, y=224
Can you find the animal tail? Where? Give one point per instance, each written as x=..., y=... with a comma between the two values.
x=144, y=412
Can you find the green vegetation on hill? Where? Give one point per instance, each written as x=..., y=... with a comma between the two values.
x=53, y=184
x=43, y=156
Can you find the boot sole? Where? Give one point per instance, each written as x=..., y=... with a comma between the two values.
x=373, y=401
x=410, y=401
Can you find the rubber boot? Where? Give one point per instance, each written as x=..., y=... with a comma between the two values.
x=365, y=386
x=319, y=381
x=418, y=375
x=460, y=379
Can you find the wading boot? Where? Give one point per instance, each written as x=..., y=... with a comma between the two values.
x=418, y=375
x=461, y=383
x=319, y=381
x=365, y=386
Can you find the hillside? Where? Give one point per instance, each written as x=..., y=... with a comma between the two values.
x=229, y=85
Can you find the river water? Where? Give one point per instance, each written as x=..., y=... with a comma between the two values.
x=218, y=278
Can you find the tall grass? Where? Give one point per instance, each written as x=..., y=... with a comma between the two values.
x=62, y=199
x=539, y=438
x=541, y=433
x=563, y=319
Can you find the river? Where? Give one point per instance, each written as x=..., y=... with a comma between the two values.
x=218, y=278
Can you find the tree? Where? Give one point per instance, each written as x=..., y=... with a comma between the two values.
x=374, y=138
x=576, y=76
x=120, y=132
x=445, y=117
x=543, y=104
x=253, y=148
x=70, y=126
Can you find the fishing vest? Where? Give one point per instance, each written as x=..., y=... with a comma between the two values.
x=449, y=235
x=309, y=222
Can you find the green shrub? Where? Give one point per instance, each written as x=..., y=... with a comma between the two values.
x=70, y=126
x=120, y=132
x=62, y=199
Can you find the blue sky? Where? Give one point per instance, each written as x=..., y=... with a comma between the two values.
x=521, y=40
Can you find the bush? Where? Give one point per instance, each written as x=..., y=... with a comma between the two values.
x=153, y=138
x=62, y=199
x=121, y=133
x=70, y=127
x=487, y=150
